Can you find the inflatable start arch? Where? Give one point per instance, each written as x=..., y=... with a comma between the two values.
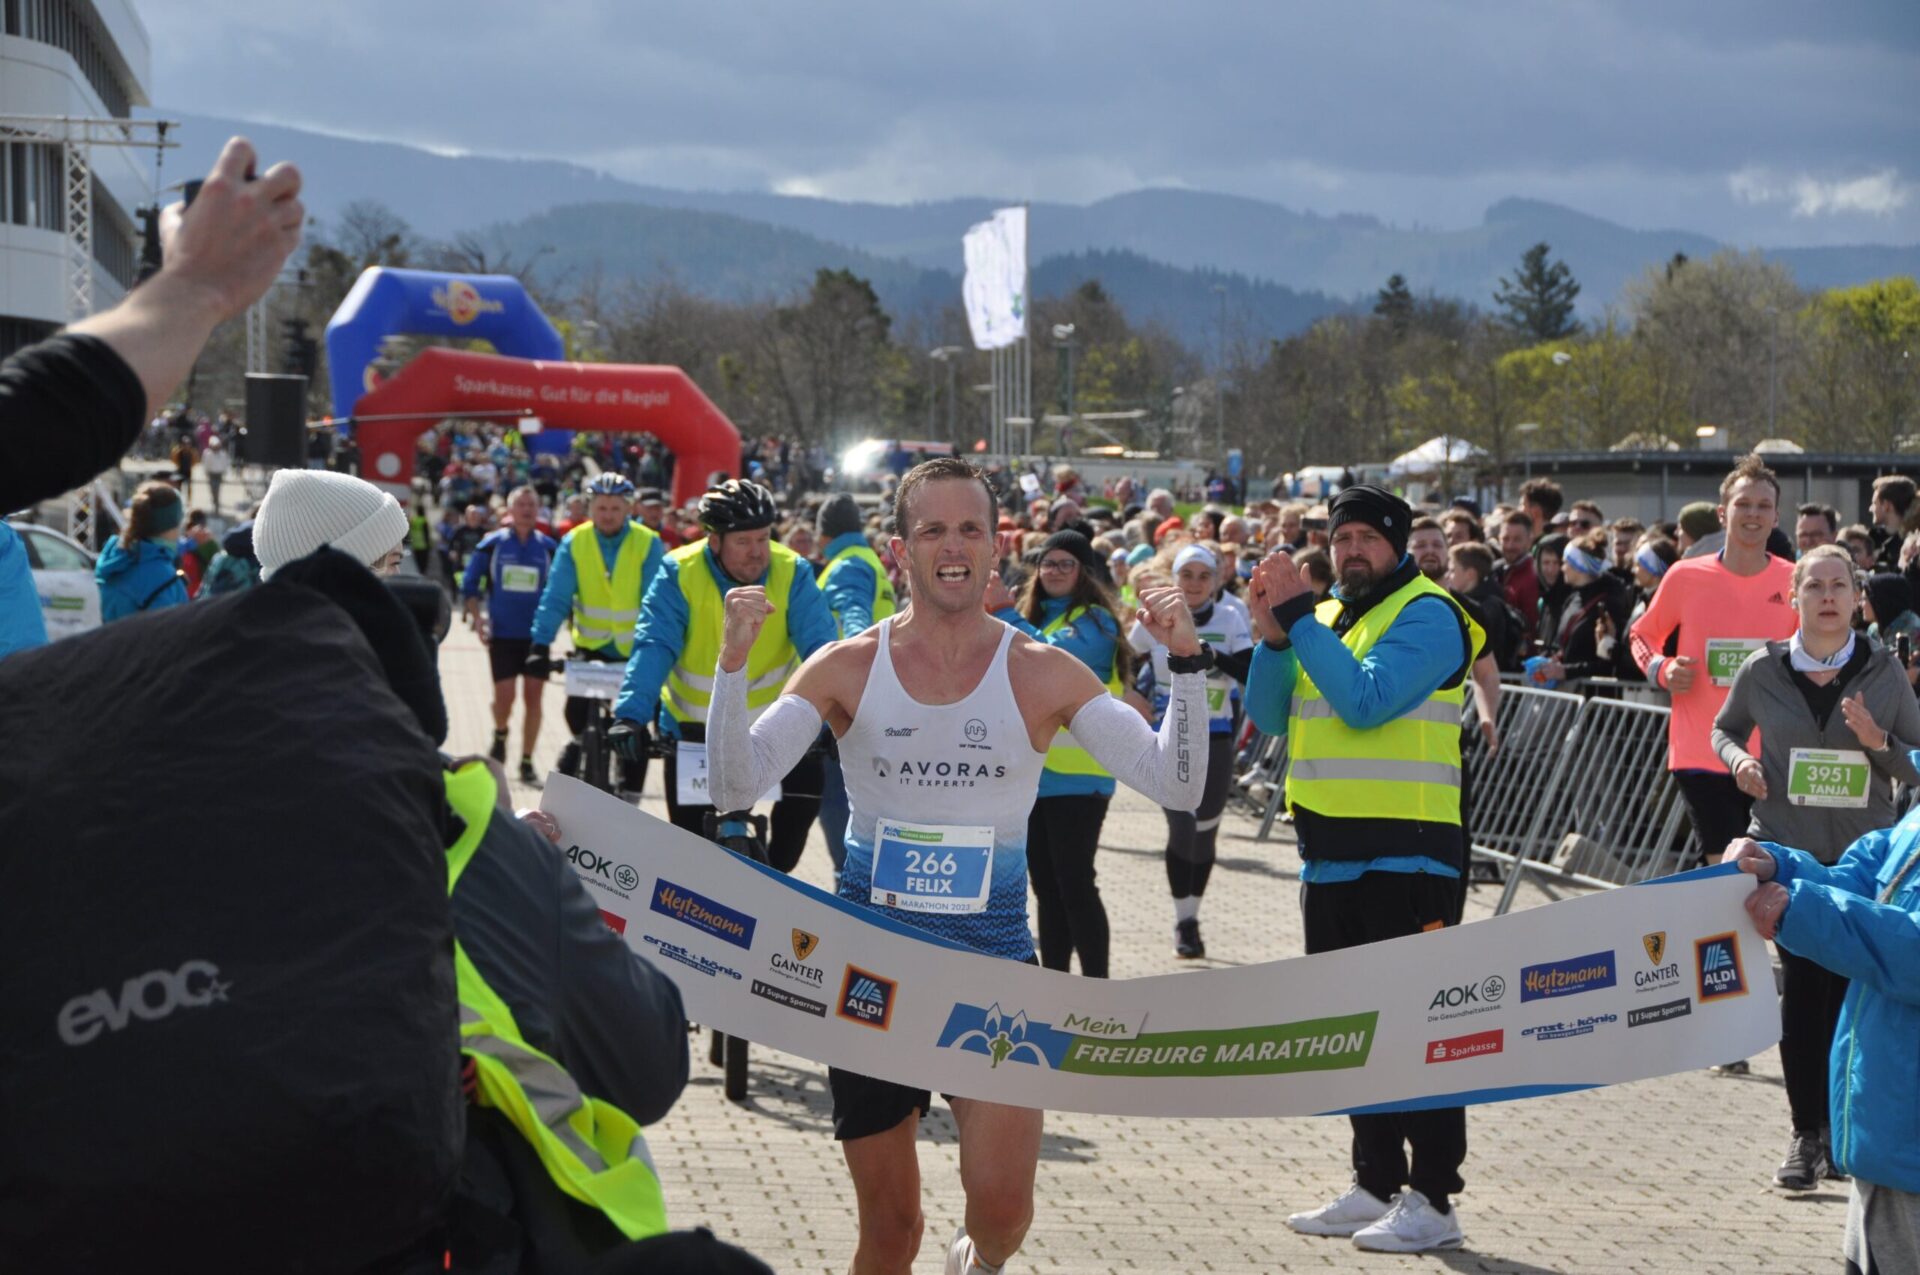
x=609, y=397
x=532, y=379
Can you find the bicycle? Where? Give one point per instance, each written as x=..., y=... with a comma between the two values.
x=743, y=833
x=599, y=681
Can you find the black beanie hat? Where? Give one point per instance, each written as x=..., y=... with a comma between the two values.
x=1077, y=545
x=1891, y=594
x=839, y=514
x=1378, y=508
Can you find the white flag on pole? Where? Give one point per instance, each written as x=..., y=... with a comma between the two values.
x=995, y=290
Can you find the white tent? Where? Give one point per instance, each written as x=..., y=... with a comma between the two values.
x=1432, y=456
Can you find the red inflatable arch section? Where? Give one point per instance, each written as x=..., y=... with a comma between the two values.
x=605, y=397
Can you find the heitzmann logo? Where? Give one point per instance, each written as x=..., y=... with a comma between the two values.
x=1567, y=978
x=1454, y=1048
x=148, y=997
x=1467, y=998
x=866, y=998
x=1665, y=975
x=1320, y=1044
x=1718, y=961
x=463, y=302
x=702, y=913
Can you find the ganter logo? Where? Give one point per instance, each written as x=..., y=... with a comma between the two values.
x=1321, y=1044
x=148, y=997
x=702, y=913
x=803, y=944
x=463, y=302
x=1567, y=978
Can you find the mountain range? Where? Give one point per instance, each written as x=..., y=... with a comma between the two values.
x=1161, y=253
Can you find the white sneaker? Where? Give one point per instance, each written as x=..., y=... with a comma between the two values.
x=963, y=1260
x=1412, y=1226
x=1356, y=1207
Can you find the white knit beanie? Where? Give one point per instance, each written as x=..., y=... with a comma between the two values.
x=308, y=508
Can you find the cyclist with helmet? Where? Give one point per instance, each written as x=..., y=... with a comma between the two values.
x=599, y=575
x=677, y=647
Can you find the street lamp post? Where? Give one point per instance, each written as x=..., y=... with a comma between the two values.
x=950, y=355
x=1526, y=431
x=1773, y=341
x=1220, y=384
x=1063, y=340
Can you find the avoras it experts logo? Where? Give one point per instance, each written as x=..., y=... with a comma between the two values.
x=463, y=302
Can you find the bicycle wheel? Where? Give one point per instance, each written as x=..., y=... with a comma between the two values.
x=735, y=1083
x=595, y=759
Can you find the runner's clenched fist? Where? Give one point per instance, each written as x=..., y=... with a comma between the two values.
x=747, y=609
x=1164, y=614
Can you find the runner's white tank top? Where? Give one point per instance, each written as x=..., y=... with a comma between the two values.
x=968, y=764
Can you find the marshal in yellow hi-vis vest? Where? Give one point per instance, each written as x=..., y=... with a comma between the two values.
x=1408, y=768
x=689, y=689
x=884, y=604
x=591, y=1149
x=1065, y=756
x=606, y=605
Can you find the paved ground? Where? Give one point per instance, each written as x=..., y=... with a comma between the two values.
x=1665, y=1175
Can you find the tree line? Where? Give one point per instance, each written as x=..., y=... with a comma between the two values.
x=1731, y=342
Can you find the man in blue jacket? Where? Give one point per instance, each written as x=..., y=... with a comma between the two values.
x=513, y=564
x=676, y=649
x=1860, y=918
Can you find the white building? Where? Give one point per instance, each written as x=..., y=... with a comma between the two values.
x=85, y=58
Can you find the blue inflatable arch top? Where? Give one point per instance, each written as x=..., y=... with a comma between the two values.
x=386, y=301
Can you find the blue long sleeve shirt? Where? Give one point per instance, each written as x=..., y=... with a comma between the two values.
x=662, y=632
x=21, y=623
x=850, y=595
x=508, y=565
x=556, y=600
x=1417, y=653
x=1091, y=640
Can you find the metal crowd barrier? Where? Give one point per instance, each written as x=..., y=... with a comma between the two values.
x=1578, y=790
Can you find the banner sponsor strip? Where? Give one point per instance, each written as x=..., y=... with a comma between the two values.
x=1614, y=986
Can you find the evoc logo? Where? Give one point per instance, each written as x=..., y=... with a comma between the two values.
x=588, y=861
x=149, y=997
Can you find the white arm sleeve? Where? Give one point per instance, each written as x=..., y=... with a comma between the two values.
x=744, y=761
x=1168, y=765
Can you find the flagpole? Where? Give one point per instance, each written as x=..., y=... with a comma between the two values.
x=1026, y=318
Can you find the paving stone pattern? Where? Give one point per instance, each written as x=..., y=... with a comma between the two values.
x=1667, y=1175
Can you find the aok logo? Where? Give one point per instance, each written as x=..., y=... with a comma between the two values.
x=149, y=997
x=1467, y=998
x=463, y=302
x=587, y=861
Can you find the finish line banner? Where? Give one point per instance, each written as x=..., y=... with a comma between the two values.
x=1614, y=986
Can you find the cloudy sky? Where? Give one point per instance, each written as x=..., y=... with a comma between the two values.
x=1763, y=122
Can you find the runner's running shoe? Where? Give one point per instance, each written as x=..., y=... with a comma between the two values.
x=1805, y=1165
x=963, y=1260
x=1355, y=1208
x=1186, y=939
x=528, y=775
x=1412, y=1226
x=499, y=750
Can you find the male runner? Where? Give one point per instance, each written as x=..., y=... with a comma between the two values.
x=985, y=703
x=513, y=562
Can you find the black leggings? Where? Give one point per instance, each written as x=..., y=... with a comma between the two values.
x=793, y=814
x=1062, y=835
x=1719, y=810
x=1191, y=837
x=1810, y=998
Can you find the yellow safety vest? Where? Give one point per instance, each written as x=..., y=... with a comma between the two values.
x=883, y=600
x=1408, y=768
x=593, y=1150
x=1065, y=756
x=606, y=605
x=689, y=689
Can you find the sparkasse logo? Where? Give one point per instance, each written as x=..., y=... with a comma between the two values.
x=1717, y=960
x=1454, y=1048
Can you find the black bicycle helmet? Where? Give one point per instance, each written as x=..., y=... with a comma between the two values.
x=737, y=505
x=610, y=483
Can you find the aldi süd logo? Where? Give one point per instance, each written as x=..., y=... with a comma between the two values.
x=702, y=913
x=1567, y=978
x=1321, y=1044
x=1454, y=1048
x=1717, y=960
x=866, y=998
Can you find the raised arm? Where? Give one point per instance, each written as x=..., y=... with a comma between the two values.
x=746, y=757
x=1168, y=765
